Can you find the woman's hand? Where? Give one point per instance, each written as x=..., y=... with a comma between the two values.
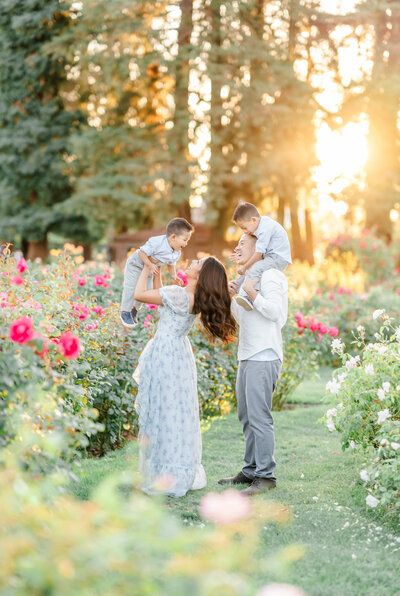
x=249, y=287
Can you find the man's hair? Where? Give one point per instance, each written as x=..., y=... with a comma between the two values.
x=178, y=226
x=245, y=211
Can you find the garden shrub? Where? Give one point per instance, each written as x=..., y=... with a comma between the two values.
x=367, y=413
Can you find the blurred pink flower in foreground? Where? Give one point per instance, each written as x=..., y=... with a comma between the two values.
x=182, y=276
x=22, y=265
x=99, y=310
x=147, y=321
x=81, y=281
x=17, y=280
x=280, y=590
x=69, y=345
x=21, y=331
x=225, y=508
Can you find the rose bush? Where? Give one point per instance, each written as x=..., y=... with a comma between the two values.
x=367, y=413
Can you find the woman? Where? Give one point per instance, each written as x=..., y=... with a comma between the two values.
x=167, y=402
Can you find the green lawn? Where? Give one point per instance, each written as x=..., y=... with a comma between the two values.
x=348, y=550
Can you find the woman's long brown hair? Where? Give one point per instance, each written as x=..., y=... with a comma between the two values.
x=213, y=302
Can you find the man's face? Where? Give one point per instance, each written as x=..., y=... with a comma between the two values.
x=245, y=248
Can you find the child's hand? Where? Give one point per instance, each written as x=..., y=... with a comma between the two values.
x=154, y=269
x=241, y=270
x=178, y=281
x=248, y=286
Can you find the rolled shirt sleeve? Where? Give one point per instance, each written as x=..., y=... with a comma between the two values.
x=150, y=247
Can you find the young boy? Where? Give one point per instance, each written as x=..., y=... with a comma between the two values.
x=157, y=251
x=272, y=247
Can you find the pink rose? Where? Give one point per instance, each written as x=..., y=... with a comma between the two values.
x=323, y=329
x=99, y=310
x=182, y=276
x=100, y=280
x=333, y=331
x=17, y=280
x=81, y=281
x=81, y=311
x=69, y=345
x=22, y=265
x=147, y=321
x=225, y=508
x=152, y=306
x=314, y=326
x=91, y=326
x=21, y=331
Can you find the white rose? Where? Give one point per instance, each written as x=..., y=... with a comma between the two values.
x=352, y=362
x=386, y=386
x=378, y=313
x=369, y=369
x=332, y=412
x=383, y=415
x=384, y=443
x=352, y=445
x=371, y=501
x=381, y=394
x=337, y=346
x=330, y=426
x=342, y=377
x=380, y=349
x=395, y=446
x=333, y=386
x=364, y=475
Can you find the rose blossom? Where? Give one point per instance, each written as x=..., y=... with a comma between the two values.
x=22, y=265
x=225, y=508
x=17, y=280
x=182, y=276
x=21, y=331
x=333, y=331
x=152, y=306
x=99, y=310
x=371, y=501
x=364, y=475
x=81, y=281
x=383, y=415
x=100, y=280
x=69, y=345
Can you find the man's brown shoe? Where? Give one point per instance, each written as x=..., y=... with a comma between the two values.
x=238, y=479
x=258, y=486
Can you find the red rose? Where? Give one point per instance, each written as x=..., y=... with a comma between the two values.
x=81, y=281
x=69, y=345
x=21, y=331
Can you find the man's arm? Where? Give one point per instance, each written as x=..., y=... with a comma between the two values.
x=269, y=300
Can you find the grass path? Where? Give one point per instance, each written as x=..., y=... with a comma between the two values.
x=348, y=551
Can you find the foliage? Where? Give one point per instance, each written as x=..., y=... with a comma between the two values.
x=34, y=124
x=304, y=340
x=374, y=256
x=120, y=540
x=367, y=390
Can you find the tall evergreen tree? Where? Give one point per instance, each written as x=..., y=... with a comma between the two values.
x=34, y=126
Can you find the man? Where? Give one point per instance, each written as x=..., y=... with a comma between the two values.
x=260, y=354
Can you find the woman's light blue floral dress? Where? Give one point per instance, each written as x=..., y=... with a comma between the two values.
x=167, y=403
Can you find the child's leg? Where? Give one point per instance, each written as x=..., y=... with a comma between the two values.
x=133, y=269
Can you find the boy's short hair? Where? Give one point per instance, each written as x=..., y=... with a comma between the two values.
x=245, y=211
x=178, y=226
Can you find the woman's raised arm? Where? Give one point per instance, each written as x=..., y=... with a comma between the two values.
x=142, y=294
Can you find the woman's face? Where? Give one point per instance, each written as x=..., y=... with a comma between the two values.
x=193, y=271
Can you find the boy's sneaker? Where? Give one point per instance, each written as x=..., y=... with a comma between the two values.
x=244, y=302
x=128, y=319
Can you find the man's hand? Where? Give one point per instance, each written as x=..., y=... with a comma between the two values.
x=249, y=287
x=232, y=287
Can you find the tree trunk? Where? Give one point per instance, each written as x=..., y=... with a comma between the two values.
x=87, y=252
x=38, y=249
x=382, y=166
x=309, y=243
x=297, y=241
x=181, y=179
x=281, y=210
